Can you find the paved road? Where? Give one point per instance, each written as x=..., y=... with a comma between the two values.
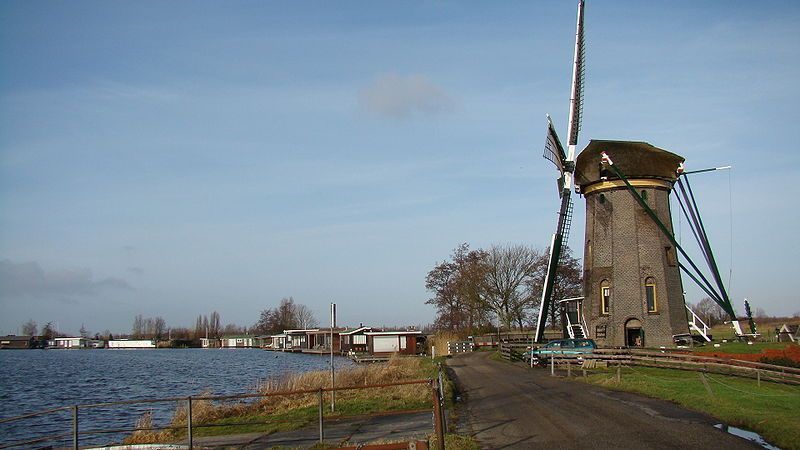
x=509, y=406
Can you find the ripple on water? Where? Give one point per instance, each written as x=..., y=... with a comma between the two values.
x=35, y=380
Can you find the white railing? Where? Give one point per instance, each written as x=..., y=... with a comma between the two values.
x=693, y=324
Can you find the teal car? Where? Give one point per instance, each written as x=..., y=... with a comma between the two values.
x=561, y=347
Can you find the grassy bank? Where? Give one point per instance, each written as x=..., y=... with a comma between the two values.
x=770, y=409
x=291, y=412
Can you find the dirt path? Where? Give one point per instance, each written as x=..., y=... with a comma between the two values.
x=511, y=406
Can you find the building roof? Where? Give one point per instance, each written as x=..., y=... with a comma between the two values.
x=390, y=333
x=327, y=331
x=11, y=337
x=357, y=330
x=633, y=158
x=299, y=331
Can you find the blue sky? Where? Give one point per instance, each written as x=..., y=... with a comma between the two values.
x=175, y=158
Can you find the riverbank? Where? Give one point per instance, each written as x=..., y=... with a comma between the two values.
x=286, y=412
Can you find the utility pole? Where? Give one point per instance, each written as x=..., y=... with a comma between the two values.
x=333, y=370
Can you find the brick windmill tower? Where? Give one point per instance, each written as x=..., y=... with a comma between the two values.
x=633, y=295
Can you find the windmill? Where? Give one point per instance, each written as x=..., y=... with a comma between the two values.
x=565, y=163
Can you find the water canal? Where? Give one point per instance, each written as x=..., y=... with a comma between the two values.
x=34, y=380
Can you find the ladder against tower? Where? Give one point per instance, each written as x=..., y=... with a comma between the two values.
x=632, y=283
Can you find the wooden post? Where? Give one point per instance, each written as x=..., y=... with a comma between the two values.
x=584, y=373
x=75, y=427
x=189, y=420
x=619, y=373
x=321, y=407
x=437, y=416
x=569, y=369
x=758, y=375
x=441, y=397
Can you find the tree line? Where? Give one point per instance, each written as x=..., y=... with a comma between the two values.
x=502, y=284
x=286, y=315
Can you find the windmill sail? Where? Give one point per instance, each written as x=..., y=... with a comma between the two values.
x=566, y=166
x=553, y=150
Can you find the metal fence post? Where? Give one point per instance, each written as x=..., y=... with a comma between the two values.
x=75, y=427
x=552, y=365
x=321, y=411
x=437, y=416
x=189, y=420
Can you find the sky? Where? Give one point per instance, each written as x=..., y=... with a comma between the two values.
x=175, y=158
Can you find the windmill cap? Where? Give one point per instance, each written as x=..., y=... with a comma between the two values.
x=634, y=159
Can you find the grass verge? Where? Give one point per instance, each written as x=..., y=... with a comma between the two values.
x=291, y=412
x=770, y=409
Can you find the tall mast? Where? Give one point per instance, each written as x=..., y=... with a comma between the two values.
x=567, y=167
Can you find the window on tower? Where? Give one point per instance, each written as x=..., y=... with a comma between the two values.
x=605, y=297
x=650, y=294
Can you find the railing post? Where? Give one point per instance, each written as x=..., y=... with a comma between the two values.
x=75, y=427
x=441, y=397
x=619, y=374
x=437, y=417
x=189, y=420
x=321, y=408
x=552, y=365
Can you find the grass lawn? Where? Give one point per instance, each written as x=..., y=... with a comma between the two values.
x=772, y=410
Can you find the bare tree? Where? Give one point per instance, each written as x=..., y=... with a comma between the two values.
x=458, y=288
x=138, y=330
x=159, y=327
x=49, y=331
x=286, y=316
x=232, y=329
x=215, y=327
x=509, y=270
x=304, y=317
x=709, y=311
x=30, y=328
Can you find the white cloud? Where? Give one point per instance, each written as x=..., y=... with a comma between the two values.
x=400, y=97
x=28, y=279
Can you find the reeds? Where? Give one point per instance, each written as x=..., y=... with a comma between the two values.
x=350, y=401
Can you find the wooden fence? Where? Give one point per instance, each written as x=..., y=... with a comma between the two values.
x=671, y=360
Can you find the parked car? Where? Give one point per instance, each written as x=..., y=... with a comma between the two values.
x=561, y=347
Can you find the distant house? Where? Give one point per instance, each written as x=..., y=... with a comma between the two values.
x=210, y=343
x=71, y=342
x=383, y=343
x=280, y=342
x=354, y=340
x=18, y=342
x=240, y=341
x=298, y=339
x=131, y=343
x=789, y=333
x=320, y=340
x=263, y=341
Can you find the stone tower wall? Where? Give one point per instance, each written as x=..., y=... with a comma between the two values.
x=625, y=247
